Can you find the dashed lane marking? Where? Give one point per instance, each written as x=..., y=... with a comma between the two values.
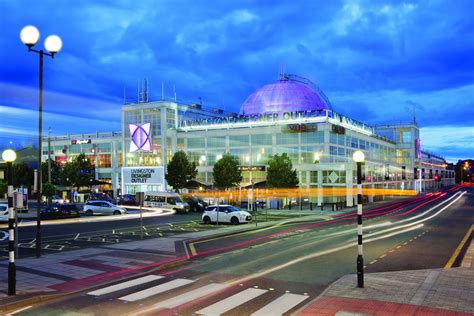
x=373, y=261
x=382, y=256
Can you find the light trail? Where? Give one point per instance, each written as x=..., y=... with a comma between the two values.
x=372, y=237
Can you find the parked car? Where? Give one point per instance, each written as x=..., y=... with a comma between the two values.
x=100, y=197
x=166, y=200
x=57, y=199
x=102, y=208
x=227, y=214
x=58, y=211
x=196, y=204
x=3, y=212
x=127, y=199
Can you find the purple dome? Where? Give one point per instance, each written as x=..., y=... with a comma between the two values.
x=284, y=96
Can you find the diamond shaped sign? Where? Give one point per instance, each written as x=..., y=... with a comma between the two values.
x=333, y=177
x=140, y=137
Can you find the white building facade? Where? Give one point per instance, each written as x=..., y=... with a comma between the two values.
x=290, y=116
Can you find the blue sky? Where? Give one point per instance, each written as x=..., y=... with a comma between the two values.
x=375, y=60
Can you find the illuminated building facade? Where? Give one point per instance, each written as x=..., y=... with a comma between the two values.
x=290, y=116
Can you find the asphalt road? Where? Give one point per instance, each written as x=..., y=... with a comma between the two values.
x=73, y=234
x=293, y=262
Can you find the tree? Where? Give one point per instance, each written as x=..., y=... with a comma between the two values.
x=280, y=173
x=55, y=172
x=78, y=173
x=48, y=190
x=3, y=189
x=22, y=175
x=179, y=171
x=226, y=172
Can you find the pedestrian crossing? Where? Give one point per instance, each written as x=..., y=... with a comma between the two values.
x=210, y=299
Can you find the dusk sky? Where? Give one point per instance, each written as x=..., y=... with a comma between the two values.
x=375, y=60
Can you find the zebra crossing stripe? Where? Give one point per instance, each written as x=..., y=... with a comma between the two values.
x=191, y=295
x=156, y=290
x=125, y=285
x=281, y=305
x=231, y=302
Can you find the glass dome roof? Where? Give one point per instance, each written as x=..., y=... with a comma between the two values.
x=286, y=95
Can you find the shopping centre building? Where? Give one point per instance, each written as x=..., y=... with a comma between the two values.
x=290, y=116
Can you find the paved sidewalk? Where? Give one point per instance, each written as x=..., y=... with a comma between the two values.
x=419, y=292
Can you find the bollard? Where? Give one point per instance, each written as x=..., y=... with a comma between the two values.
x=333, y=206
x=289, y=205
x=322, y=205
x=310, y=206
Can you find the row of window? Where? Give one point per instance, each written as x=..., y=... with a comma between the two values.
x=256, y=139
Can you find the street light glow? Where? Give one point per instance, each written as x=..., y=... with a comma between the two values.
x=9, y=155
x=317, y=156
x=358, y=156
x=53, y=43
x=29, y=35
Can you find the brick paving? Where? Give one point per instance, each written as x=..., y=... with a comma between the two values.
x=419, y=292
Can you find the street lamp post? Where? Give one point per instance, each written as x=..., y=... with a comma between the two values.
x=359, y=157
x=9, y=156
x=29, y=36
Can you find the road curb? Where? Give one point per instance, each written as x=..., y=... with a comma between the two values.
x=460, y=252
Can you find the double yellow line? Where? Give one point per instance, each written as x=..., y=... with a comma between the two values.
x=459, y=248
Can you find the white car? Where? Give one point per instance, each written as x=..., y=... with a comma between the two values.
x=102, y=208
x=227, y=214
x=57, y=199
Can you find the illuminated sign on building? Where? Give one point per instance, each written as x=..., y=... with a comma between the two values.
x=299, y=128
x=140, y=137
x=141, y=179
x=266, y=117
x=80, y=141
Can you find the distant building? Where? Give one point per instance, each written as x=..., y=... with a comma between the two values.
x=290, y=116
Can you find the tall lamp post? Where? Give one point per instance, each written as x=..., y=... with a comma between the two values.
x=359, y=157
x=9, y=156
x=29, y=36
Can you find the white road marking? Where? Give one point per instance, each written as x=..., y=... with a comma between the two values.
x=19, y=310
x=373, y=261
x=398, y=247
x=281, y=305
x=156, y=290
x=231, y=302
x=125, y=285
x=382, y=256
x=190, y=296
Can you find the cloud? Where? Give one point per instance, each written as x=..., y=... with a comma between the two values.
x=374, y=60
x=451, y=142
